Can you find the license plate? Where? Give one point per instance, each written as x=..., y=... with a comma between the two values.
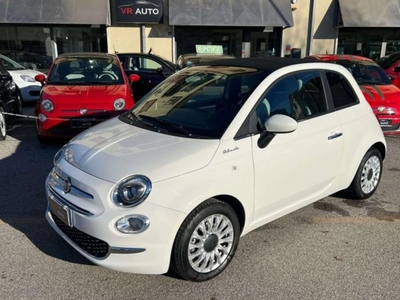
x=60, y=211
x=83, y=123
x=385, y=123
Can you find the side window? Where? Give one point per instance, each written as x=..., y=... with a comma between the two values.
x=300, y=96
x=342, y=92
x=148, y=64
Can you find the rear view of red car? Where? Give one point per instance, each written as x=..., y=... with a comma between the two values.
x=381, y=94
x=81, y=90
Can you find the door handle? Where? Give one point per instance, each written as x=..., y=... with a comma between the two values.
x=335, y=135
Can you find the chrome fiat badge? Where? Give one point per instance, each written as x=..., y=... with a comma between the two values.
x=67, y=185
x=83, y=111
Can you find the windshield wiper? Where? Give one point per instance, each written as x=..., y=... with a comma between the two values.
x=175, y=126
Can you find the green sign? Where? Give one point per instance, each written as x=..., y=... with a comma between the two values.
x=209, y=49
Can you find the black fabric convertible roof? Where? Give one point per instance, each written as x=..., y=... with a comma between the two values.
x=264, y=63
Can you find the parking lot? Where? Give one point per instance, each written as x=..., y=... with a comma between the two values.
x=333, y=249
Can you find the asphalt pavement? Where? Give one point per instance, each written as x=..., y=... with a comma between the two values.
x=333, y=249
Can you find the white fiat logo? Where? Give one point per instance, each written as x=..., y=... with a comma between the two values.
x=83, y=111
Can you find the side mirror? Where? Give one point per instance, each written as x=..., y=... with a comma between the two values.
x=397, y=69
x=134, y=78
x=41, y=78
x=5, y=77
x=276, y=124
x=280, y=124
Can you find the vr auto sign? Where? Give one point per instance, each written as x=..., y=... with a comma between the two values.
x=139, y=11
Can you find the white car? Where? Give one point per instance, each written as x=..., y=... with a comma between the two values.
x=209, y=155
x=28, y=87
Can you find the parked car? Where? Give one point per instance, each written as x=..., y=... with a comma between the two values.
x=28, y=87
x=391, y=65
x=82, y=89
x=211, y=154
x=381, y=94
x=30, y=60
x=195, y=59
x=149, y=70
x=10, y=102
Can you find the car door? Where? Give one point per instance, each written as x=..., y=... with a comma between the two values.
x=7, y=89
x=296, y=168
x=150, y=70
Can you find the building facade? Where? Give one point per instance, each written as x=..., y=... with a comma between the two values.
x=172, y=27
x=368, y=28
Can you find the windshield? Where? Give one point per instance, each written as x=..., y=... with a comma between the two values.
x=386, y=62
x=366, y=73
x=199, y=102
x=10, y=64
x=86, y=71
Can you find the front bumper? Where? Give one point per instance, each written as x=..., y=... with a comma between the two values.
x=68, y=127
x=30, y=93
x=390, y=125
x=92, y=230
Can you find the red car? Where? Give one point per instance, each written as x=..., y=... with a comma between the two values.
x=381, y=94
x=81, y=90
x=391, y=65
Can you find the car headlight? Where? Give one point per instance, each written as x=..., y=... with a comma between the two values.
x=47, y=105
x=382, y=110
x=132, y=191
x=57, y=157
x=27, y=78
x=119, y=104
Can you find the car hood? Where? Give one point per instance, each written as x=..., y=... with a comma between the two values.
x=16, y=75
x=381, y=94
x=28, y=72
x=113, y=150
x=73, y=96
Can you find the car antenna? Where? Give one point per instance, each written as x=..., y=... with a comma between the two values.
x=115, y=51
x=151, y=49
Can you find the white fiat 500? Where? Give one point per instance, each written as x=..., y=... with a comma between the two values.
x=210, y=154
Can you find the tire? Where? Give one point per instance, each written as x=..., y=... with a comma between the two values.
x=368, y=176
x=18, y=106
x=43, y=140
x=3, y=125
x=211, y=255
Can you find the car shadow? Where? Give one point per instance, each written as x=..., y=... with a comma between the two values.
x=24, y=165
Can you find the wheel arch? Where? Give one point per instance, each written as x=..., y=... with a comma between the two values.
x=381, y=148
x=236, y=205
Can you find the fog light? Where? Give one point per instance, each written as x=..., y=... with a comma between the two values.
x=42, y=118
x=133, y=224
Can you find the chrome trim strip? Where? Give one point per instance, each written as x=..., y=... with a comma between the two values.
x=89, y=110
x=59, y=181
x=58, y=198
x=121, y=250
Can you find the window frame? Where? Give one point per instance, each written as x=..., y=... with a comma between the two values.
x=249, y=126
x=330, y=95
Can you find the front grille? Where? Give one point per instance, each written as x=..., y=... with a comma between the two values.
x=65, y=129
x=391, y=128
x=87, y=243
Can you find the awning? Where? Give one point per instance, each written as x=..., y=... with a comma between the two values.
x=369, y=13
x=54, y=11
x=231, y=12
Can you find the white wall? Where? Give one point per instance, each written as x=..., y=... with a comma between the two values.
x=324, y=35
